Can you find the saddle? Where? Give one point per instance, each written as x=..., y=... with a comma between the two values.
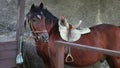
x=69, y=32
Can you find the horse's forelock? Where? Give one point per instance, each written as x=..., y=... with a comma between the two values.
x=36, y=11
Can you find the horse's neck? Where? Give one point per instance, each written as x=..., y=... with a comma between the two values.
x=53, y=34
x=52, y=26
x=49, y=27
x=51, y=20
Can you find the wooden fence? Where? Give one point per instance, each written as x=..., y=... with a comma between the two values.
x=8, y=51
x=60, y=51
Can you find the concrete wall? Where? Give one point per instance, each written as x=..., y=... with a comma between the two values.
x=91, y=12
x=8, y=15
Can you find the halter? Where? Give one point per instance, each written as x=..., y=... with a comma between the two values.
x=36, y=37
x=36, y=32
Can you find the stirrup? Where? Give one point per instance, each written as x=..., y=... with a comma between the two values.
x=69, y=56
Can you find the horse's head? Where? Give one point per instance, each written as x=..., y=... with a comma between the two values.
x=36, y=20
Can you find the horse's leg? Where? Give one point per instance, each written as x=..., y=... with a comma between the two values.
x=50, y=65
x=110, y=62
x=47, y=65
x=114, y=62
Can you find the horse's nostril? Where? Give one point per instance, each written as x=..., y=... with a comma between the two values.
x=44, y=38
x=47, y=37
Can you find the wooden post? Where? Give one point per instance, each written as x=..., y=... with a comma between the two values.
x=60, y=56
x=20, y=24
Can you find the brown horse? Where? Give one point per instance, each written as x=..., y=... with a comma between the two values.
x=44, y=27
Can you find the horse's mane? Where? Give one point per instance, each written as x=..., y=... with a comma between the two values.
x=50, y=18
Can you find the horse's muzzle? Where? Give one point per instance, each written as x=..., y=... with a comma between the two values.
x=43, y=37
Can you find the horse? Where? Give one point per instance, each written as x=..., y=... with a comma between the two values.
x=45, y=29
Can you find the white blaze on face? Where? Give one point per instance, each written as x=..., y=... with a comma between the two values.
x=39, y=17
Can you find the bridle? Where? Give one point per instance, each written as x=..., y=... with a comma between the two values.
x=36, y=33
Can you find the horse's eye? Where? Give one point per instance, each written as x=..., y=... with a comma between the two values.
x=34, y=20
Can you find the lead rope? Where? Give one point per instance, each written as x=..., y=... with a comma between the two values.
x=19, y=58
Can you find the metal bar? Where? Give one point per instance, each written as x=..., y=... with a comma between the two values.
x=90, y=48
x=60, y=57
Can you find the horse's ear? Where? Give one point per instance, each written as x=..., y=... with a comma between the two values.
x=41, y=6
x=32, y=7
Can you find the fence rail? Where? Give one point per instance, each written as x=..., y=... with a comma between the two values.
x=60, y=51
